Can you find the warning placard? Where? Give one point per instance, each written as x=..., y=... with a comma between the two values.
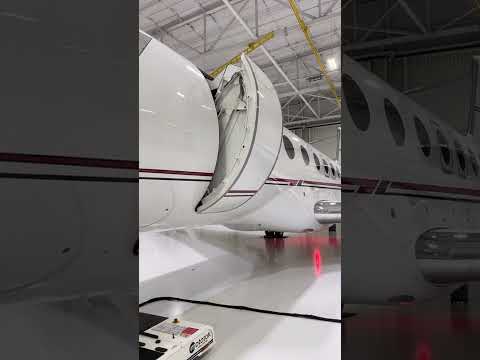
x=174, y=329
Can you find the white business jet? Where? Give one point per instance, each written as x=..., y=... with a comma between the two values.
x=223, y=156
x=411, y=214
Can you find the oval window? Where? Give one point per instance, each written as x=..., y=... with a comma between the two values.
x=423, y=137
x=444, y=150
x=333, y=171
x=326, y=169
x=288, y=147
x=356, y=102
x=460, y=156
x=473, y=159
x=306, y=158
x=317, y=162
x=395, y=122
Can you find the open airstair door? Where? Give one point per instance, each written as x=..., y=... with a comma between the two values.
x=250, y=126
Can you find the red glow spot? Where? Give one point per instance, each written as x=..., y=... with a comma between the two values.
x=424, y=352
x=317, y=262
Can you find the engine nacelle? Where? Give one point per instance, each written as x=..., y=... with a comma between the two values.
x=449, y=256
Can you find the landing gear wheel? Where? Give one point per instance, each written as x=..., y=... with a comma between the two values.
x=269, y=235
x=332, y=228
x=274, y=235
x=460, y=295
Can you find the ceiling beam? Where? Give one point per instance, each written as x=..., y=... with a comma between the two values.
x=320, y=87
x=323, y=120
x=240, y=45
x=380, y=20
x=285, y=5
x=330, y=8
x=379, y=30
x=413, y=16
x=195, y=15
x=224, y=29
x=267, y=54
x=417, y=39
x=335, y=45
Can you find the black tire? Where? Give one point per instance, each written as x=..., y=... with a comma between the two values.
x=269, y=234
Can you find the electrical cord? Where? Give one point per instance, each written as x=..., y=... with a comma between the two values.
x=241, y=307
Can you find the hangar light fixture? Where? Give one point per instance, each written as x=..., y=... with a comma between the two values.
x=332, y=64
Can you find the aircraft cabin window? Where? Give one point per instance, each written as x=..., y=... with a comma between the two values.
x=289, y=149
x=445, y=151
x=317, y=162
x=143, y=41
x=460, y=156
x=423, y=137
x=333, y=171
x=305, y=156
x=474, y=163
x=395, y=122
x=356, y=102
x=326, y=169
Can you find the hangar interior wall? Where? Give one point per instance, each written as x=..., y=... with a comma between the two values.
x=441, y=82
x=323, y=138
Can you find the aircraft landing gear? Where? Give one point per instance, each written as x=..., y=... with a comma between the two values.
x=459, y=295
x=274, y=235
x=332, y=228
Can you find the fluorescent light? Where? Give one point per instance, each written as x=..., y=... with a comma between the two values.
x=332, y=64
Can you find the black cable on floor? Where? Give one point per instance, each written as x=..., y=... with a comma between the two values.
x=240, y=307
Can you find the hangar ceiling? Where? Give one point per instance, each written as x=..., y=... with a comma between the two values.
x=207, y=33
x=423, y=48
x=376, y=28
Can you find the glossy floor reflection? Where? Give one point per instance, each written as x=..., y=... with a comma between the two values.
x=435, y=330
x=298, y=274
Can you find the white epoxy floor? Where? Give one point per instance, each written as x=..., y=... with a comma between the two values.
x=299, y=274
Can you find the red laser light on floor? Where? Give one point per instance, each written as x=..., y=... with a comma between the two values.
x=317, y=262
x=423, y=352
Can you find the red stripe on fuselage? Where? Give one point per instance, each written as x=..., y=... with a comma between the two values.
x=436, y=189
x=429, y=188
x=295, y=182
x=68, y=161
x=176, y=172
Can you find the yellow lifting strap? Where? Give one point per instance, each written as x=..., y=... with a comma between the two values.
x=308, y=36
x=251, y=47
